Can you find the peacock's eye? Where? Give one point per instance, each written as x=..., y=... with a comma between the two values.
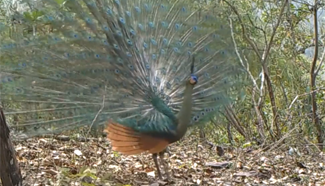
x=194, y=79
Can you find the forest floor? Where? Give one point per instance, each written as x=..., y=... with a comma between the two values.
x=48, y=161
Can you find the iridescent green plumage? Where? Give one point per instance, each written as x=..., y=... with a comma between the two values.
x=109, y=59
x=123, y=60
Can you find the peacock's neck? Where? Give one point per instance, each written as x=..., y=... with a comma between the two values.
x=184, y=116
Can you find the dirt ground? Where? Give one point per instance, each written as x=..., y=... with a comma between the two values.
x=49, y=161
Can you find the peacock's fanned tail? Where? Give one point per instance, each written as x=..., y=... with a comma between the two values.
x=119, y=60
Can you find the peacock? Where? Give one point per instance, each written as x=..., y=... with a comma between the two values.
x=147, y=70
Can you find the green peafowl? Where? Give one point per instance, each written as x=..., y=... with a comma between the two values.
x=146, y=69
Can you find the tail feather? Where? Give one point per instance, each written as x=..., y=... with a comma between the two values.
x=110, y=59
x=129, y=142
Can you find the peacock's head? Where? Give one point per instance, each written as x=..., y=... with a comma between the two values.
x=194, y=79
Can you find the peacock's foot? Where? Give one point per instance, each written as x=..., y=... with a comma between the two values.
x=170, y=180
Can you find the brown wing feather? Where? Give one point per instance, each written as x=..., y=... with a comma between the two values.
x=127, y=141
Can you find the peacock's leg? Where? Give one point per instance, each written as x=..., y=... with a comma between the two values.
x=154, y=156
x=165, y=164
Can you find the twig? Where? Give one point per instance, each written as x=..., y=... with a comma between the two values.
x=295, y=99
x=100, y=110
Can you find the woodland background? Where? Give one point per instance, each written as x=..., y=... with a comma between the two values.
x=272, y=134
